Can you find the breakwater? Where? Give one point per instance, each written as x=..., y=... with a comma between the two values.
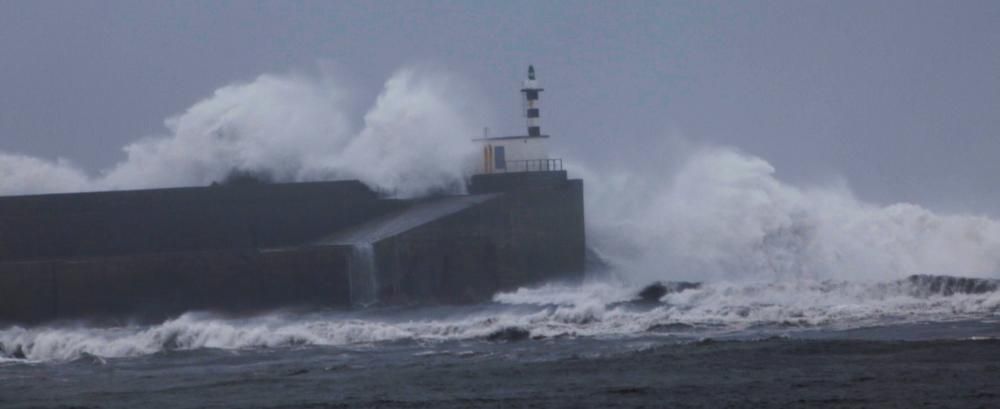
x=150, y=254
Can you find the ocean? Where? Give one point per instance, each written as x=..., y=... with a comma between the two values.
x=923, y=341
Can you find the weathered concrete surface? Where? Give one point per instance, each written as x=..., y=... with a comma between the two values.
x=151, y=254
x=505, y=182
x=410, y=217
x=155, y=286
x=183, y=219
x=525, y=235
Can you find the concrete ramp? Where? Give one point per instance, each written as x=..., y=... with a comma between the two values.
x=404, y=220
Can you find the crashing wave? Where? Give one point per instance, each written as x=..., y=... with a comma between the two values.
x=724, y=215
x=593, y=309
x=926, y=285
x=288, y=128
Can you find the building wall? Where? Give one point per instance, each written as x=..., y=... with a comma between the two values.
x=516, y=150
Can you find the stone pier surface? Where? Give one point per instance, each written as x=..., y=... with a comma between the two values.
x=151, y=254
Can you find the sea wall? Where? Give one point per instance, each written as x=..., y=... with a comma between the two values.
x=155, y=286
x=148, y=255
x=531, y=232
x=183, y=219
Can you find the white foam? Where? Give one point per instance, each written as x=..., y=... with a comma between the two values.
x=597, y=291
x=576, y=311
x=724, y=215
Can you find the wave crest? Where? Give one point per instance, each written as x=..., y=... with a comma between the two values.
x=549, y=311
x=724, y=215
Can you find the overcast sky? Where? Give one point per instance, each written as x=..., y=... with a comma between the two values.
x=900, y=98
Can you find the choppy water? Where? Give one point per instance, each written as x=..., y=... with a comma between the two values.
x=471, y=355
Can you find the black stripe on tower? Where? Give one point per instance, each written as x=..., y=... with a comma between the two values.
x=534, y=131
x=533, y=113
x=531, y=94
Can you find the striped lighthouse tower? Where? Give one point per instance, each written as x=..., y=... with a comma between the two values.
x=521, y=153
x=531, y=90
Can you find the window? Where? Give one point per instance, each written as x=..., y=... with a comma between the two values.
x=499, y=158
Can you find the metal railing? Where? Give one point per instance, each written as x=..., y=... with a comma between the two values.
x=531, y=165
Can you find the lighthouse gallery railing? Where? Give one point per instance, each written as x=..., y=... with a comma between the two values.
x=531, y=165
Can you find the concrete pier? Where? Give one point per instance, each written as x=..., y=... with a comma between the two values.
x=151, y=254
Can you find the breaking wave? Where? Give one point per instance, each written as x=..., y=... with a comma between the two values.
x=416, y=138
x=594, y=309
x=724, y=215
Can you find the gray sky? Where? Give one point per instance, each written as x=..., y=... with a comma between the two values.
x=901, y=98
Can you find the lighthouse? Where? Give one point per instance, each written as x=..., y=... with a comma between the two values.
x=521, y=153
x=531, y=92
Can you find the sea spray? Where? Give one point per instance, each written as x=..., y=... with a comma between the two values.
x=724, y=215
x=20, y=174
x=415, y=139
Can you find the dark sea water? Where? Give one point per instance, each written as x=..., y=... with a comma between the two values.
x=908, y=343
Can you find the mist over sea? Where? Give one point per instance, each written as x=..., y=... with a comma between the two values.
x=804, y=288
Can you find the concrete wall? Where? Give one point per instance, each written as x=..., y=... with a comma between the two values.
x=156, y=286
x=183, y=219
x=507, y=182
x=152, y=254
x=527, y=235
